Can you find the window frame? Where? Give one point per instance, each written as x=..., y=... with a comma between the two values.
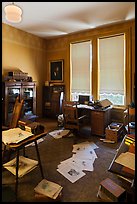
x=129, y=46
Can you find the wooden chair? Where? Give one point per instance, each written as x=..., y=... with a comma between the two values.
x=70, y=113
x=129, y=116
x=17, y=111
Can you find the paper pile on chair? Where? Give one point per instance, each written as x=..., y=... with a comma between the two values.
x=82, y=159
x=25, y=166
x=48, y=188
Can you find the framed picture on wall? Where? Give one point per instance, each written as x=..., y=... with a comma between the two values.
x=56, y=71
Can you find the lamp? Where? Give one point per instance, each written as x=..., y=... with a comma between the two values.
x=13, y=13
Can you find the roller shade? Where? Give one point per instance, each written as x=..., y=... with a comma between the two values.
x=81, y=65
x=111, y=65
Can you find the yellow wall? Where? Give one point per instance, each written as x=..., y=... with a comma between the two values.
x=58, y=48
x=26, y=52
x=32, y=54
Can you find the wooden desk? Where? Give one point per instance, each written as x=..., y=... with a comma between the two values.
x=98, y=119
x=122, y=171
x=17, y=147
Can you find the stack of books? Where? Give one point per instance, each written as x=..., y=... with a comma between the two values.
x=47, y=189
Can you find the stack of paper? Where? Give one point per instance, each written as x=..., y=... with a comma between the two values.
x=25, y=166
x=59, y=133
x=14, y=135
x=126, y=159
x=82, y=159
x=48, y=188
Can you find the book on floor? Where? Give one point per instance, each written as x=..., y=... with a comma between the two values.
x=48, y=188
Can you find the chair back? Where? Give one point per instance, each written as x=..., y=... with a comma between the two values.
x=70, y=114
x=16, y=113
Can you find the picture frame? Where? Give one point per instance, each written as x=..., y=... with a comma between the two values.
x=56, y=71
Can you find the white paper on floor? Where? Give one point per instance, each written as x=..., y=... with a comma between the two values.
x=33, y=143
x=59, y=133
x=71, y=171
x=82, y=159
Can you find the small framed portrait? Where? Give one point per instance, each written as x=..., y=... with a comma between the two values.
x=56, y=71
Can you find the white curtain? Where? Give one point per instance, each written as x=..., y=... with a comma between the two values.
x=111, y=65
x=81, y=67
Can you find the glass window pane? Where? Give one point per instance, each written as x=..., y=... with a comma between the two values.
x=80, y=69
x=112, y=69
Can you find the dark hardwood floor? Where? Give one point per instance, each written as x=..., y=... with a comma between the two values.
x=52, y=152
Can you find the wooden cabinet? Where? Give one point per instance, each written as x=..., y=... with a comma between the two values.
x=100, y=119
x=26, y=91
x=52, y=100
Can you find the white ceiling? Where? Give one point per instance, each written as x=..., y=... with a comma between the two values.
x=51, y=19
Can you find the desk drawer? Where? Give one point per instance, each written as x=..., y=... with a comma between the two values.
x=99, y=121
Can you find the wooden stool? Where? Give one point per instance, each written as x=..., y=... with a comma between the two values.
x=110, y=191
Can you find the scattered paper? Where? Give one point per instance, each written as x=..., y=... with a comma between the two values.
x=33, y=143
x=84, y=146
x=83, y=164
x=59, y=133
x=82, y=159
x=25, y=166
x=71, y=172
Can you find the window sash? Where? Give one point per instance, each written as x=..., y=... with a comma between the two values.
x=112, y=65
x=81, y=67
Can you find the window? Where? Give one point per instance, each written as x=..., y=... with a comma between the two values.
x=111, y=60
x=80, y=55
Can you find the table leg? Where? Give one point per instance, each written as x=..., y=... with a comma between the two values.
x=17, y=166
x=3, y=152
x=24, y=151
x=39, y=161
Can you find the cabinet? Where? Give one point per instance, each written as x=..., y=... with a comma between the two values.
x=26, y=91
x=100, y=119
x=52, y=100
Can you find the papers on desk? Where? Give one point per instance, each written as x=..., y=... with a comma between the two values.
x=48, y=188
x=126, y=159
x=25, y=166
x=85, y=106
x=14, y=135
x=82, y=160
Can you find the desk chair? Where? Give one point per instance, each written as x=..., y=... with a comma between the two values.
x=17, y=110
x=71, y=119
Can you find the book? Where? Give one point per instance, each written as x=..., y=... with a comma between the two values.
x=48, y=188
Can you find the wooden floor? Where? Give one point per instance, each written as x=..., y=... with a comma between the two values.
x=48, y=123
x=52, y=152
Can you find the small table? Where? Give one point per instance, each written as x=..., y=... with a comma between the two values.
x=110, y=191
x=21, y=145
